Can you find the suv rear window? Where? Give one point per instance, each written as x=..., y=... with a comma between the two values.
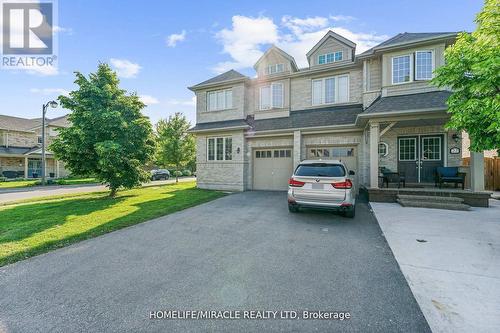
x=320, y=170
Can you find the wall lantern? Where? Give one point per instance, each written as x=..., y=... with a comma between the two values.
x=238, y=150
x=456, y=137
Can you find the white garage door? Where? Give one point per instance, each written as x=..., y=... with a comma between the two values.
x=272, y=167
x=347, y=154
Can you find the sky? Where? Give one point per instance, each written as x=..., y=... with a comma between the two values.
x=159, y=48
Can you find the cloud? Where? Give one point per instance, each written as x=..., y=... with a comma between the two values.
x=148, y=99
x=59, y=29
x=244, y=40
x=125, y=68
x=173, y=39
x=50, y=91
x=190, y=102
x=249, y=37
x=345, y=18
x=43, y=70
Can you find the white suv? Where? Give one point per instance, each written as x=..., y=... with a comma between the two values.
x=322, y=184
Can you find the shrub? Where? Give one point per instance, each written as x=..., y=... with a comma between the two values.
x=186, y=173
x=3, y=179
x=178, y=173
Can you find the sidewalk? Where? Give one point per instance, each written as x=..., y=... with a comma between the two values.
x=451, y=260
x=15, y=194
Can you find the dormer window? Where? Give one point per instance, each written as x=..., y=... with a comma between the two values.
x=276, y=68
x=220, y=100
x=330, y=57
x=424, y=65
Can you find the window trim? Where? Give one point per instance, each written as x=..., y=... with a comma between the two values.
x=433, y=65
x=224, y=138
x=422, y=148
x=414, y=139
x=215, y=93
x=271, y=96
x=326, y=57
x=410, y=55
x=323, y=90
x=275, y=66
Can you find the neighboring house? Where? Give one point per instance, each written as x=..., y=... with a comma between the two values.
x=369, y=110
x=20, y=147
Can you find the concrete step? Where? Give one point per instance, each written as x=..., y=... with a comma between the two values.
x=426, y=198
x=433, y=204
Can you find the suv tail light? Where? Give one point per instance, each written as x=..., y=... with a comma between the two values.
x=295, y=183
x=343, y=185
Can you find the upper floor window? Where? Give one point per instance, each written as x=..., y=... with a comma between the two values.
x=271, y=96
x=220, y=149
x=401, y=69
x=276, y=68
x=330, y=57
x=423, y=65
x=330, y=90
x=220, y=100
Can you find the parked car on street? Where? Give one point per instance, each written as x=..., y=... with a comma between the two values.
x=324, y=184
x=159, y=174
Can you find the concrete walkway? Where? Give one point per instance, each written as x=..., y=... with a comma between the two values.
x=15, y=194
x=451, y=260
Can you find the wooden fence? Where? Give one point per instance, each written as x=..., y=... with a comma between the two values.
x=491, y=172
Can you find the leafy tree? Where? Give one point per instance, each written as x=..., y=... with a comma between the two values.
x=109, y=137
x=472, y=71
x=175, y=145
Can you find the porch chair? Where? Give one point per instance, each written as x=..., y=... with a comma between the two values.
x=449, y=175
x=389, y=176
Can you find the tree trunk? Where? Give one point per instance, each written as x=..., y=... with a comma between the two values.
x=112, y=194
x=176, y=173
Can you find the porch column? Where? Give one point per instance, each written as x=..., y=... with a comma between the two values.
x=57, y=168
x=477, y=171
x=297, y=144
x=26, y=167
x=374, y=136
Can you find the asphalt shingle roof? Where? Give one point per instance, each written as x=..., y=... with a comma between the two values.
x=407, y=37
x=14, y=150
x=428, y=100
x=24, y=124
x=219, y=124
x=227, y=76
x=337, y=115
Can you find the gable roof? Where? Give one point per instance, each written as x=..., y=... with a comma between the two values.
x=28, y=125
x=331, y=34
x=274, y=48
x=17, y=123
x=408, y=38
x=230, y=75
x=421, y=101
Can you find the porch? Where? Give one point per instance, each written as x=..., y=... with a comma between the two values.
x=413, y=148
x=27, y=163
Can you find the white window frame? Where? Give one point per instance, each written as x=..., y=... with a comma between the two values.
x=415, y=150
x=271, y=97
x=275, y=67
x=225, y=105
x=411, y=68
x=326, y=57
x=224, y=138
x=323, y=90
x=422, y=148
x=433, y=66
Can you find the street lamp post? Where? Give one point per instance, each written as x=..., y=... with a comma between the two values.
x=52, y=104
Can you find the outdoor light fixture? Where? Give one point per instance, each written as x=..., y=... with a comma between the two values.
x=456, y=137
x=238, y=150
x=52, y=104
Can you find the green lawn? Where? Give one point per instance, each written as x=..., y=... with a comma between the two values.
x=17, y=183
x=33, y=182
x=37, y=226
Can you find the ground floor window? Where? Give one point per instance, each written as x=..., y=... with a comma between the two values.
x=383, y=149
x=220, y=149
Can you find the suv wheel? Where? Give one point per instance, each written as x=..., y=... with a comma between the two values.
x=351, y=212
x=293, y=208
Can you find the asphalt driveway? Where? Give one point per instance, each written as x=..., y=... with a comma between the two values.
x=241, y=252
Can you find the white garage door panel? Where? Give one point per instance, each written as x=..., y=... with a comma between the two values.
x=347, y=154
x=272, y=167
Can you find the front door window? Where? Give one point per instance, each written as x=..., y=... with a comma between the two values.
x=34, y=167
x=419, y=156
x=431, y=148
